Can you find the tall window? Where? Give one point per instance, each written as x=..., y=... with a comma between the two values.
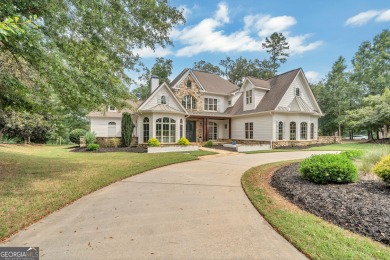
x=189, y=83
x=189, y=102
x=297, y=92
x=248, y=95
x=163, y=100
x=166, y=130
x=181, y=128
x=293, y=131
x=111, y=129
x=211, y=104
x=146, y=130
x=280, y=131
x=212, y=131
x=249, y=130
x=303, y=131
x=312, y=131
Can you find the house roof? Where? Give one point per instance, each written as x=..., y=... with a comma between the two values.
x=278, y=87
x=164, y=108
x=117, y=114
x=261, y=83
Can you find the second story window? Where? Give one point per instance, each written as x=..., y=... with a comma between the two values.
x=211, y=104
x=189, y=102
x=248, y=95
x=297, y=92
x=163, y=100
x=189, y=84
x=111, y=108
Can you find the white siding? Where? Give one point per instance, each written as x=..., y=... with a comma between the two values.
x=290, y=93
x=259, y=94
x=162, y=92
x=262, y=127
x=100, y=126
x=236, y=97
x=222, y=102
x=246, y=87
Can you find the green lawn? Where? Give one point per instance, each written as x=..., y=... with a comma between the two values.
x=37, y=180
x=313, y=236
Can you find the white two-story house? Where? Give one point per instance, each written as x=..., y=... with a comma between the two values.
x=202, y=106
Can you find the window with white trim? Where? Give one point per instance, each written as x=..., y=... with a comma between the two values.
x=211, y=104
x=166, y=130
x=248, y=95
x=189, y=102
x=249, y=130
x=297, y=92
x=312, y=131
x=303, y=131
x=280, y=131
x=293, y=131
x=189, y=83
x=212, y=130
x=111, y=108
x=111, y=129
x=146, y=129
x=163, y=100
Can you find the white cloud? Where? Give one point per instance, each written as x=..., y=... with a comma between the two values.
x=149, y=53
x=313, y=76
x=384, y=16
x=364, y=17
x=207, y=35
x=186, y=11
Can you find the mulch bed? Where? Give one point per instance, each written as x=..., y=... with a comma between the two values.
x=362, y=207
x=112, y=149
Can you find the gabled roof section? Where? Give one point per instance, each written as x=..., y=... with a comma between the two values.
x=214, y=83
x=260, y=83
x=278, y=87
x=176, y=80
x=162, y=107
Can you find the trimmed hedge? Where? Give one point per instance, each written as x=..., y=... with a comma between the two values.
x=153, y=142
x=208, y=144
x=93, y=147
x=74, y=136
x=382, y=169
x=328, y=168
x=183, y=141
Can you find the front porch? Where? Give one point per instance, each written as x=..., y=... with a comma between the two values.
x=202, y=129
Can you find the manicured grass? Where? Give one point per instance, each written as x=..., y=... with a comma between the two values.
x=37, y=180
x=313, y=236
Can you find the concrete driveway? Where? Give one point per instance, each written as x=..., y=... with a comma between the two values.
x=192, y=210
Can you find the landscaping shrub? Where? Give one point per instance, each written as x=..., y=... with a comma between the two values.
x=153, y=142
x=208, y=144
x=183, y=141
x=372, y=157
x=127, y=129
x=353, y=154
x=328, y=168
x=74, y=136
x=90, y=138
x=382, y=169
x=115, y=142
x=93, y=147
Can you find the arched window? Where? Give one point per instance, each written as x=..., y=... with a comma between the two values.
x=166, y=130
x=111, y=129
x=280, y=131
x=181, y=128
x=163, y=100
x=303, y=131
x=293, y=131
x=189, y=83
x=212, y=131
x=146, y=129
x=312, y=131
x=189, y=102
x=297, y=92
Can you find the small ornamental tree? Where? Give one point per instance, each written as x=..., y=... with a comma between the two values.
x=127, y=129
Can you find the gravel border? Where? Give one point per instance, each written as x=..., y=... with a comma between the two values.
x=112, y=149
x=362, y=207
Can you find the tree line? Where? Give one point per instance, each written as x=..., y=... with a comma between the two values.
x=358, y=99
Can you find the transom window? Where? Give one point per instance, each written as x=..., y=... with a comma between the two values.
x=303, y=131
x=210, y=104
x=248, y=95
x=166, y=130
x=297, y=92
x=293, y=131
x=280, y=131
x=249, y=130
x=212, y=131
x=146, y=129
x=312, y=131
x=189, y=102
x=189, y=83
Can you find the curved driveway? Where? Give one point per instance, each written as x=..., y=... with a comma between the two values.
x=192, y=210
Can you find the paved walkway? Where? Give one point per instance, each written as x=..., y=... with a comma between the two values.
x=193, y=210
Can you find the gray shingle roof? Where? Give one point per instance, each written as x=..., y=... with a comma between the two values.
x=214, y=83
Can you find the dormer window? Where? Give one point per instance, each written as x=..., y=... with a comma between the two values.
x=111, y=109
x=297, y=92
x=229, y=102
x=189, y=83
x=163, y=100
x=248, y=95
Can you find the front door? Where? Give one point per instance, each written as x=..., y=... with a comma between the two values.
x=191, y=131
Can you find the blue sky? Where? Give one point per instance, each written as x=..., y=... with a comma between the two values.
x=317, y=31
